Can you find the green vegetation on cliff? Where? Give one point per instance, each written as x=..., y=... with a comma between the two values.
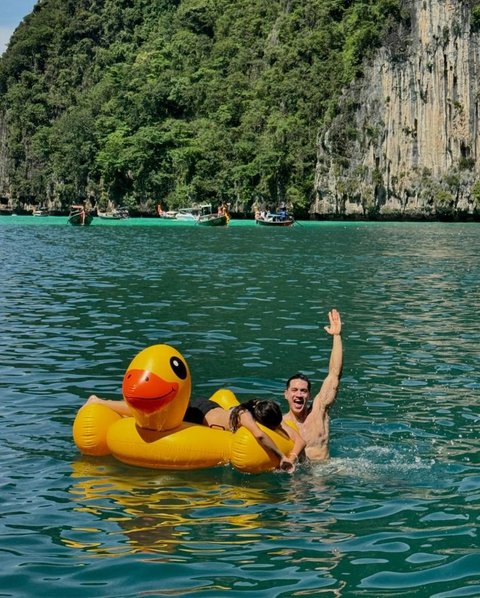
x=142, y=102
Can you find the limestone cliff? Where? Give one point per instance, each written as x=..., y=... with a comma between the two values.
x=406, y=139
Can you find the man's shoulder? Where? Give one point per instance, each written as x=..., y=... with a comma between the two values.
x=290, y=420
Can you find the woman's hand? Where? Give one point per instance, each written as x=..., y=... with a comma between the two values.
x=287, y=464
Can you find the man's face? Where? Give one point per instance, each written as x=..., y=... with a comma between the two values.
x=297, y=396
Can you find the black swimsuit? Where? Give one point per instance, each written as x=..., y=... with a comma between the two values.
x=198, y=409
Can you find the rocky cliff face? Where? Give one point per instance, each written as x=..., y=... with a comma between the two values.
x=406, y=141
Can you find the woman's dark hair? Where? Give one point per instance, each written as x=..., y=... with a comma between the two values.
x=299, y=376
x=267, y=413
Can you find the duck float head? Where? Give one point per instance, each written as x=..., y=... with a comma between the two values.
x=157, y=386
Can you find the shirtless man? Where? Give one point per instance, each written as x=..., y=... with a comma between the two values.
x=313, y=422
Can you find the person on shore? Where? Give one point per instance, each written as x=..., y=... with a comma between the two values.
x=313, y=421
x=248, y=414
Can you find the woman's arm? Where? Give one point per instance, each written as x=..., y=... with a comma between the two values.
x=247, y=420
x=298, y=442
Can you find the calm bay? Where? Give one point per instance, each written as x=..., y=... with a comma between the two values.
x=394, y=512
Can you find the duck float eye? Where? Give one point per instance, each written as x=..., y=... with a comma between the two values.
x=178, y=367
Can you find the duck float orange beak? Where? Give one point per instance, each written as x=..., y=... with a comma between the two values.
x=157, y=386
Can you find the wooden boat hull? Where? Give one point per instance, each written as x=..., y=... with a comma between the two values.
x=286, y=222
x=213, y=220
x=80, y=219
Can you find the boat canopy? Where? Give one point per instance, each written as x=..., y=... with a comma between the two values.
x=196, y=210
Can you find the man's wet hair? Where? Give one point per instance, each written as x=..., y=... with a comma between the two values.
x=299, y=376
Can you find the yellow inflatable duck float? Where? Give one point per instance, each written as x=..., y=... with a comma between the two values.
x=157, y=387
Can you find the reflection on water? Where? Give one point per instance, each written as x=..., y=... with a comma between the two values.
x=394, y=512
x=162, y=513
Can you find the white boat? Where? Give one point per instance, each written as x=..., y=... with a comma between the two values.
x=40, y=212
x=193, y=213
x=115, y=214
x=167, y=215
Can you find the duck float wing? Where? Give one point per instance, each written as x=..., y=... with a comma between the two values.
x=189, y=446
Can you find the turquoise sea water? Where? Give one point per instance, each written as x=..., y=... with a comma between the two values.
x=394, y=512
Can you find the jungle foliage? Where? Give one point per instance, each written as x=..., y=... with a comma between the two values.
x=140, y=102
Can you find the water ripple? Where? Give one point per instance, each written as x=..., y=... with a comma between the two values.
x=394, y=512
